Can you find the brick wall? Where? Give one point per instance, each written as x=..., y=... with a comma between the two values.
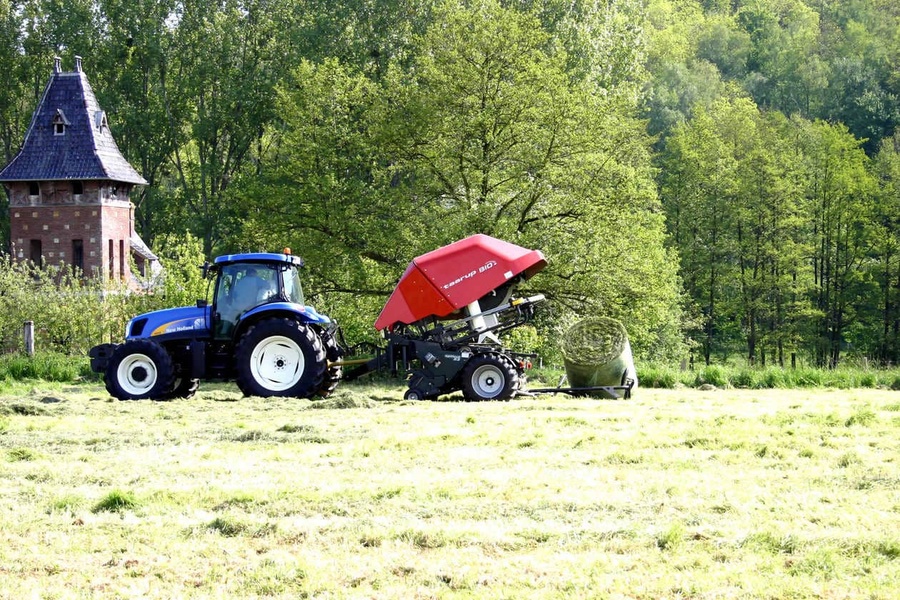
x=93, y=228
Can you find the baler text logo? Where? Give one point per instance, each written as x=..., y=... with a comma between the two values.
x=486, y=266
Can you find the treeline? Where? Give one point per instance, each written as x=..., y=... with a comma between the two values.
x=779, y=170
x=366, y=132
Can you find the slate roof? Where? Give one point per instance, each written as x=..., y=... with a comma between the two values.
x=86, y=151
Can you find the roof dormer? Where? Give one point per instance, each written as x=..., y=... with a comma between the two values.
x=60, y=122
x=100, y=120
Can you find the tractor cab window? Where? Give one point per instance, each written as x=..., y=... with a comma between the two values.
x=240, y=288
x=292, y=289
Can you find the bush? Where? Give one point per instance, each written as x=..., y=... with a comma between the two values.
x=723, y=376
x=716, y=375
x=746, y=378
x=658, y=377
x=47, y=366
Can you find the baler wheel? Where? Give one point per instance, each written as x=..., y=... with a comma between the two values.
x=139, y=369
x=414, y=394
x=489, y=377
x=280, y=357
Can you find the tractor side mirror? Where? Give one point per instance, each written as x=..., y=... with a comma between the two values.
x=202, y=304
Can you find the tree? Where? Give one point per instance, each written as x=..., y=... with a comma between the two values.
x=887, y=249
x=229, y=58
x=329, y=193
x=839, y=188
x=698, y=187
x=486, y=132
x=772, y=239
x=136, y=80
x=790, y=75
x=505, y=142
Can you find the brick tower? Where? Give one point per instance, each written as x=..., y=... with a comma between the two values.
x=69, y=187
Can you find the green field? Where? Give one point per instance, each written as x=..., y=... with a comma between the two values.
x=673, y=494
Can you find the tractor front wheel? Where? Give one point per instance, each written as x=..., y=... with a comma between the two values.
x=139, y=369
x=280, y=357
x=490, y=377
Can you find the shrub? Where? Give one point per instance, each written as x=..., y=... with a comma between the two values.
x=745, y=378
x=72, y=313
x=47, y=366
x=775, y=377
x=716, y=375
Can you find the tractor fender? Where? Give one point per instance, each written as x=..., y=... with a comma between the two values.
x=297, y=312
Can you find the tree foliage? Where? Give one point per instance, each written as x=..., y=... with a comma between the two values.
x=722, y=169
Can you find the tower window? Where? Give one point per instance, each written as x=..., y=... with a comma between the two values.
x=77, y=188
x=78, y=254
x=60, y=122
x=34, y=188
x=36, y=253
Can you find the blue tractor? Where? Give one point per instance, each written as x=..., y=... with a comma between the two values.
x=258, y=332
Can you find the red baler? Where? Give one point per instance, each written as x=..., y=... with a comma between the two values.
x=442, y=321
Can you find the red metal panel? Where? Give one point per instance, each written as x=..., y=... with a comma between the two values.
x=414, y=298
x=447, y=279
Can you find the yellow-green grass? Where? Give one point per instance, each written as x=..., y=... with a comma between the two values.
x=673, y=494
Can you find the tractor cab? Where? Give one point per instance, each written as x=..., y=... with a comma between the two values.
x=247, y=281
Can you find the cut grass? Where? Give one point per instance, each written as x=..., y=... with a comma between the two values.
x=675, y=493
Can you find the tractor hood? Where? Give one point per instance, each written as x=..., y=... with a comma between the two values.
x=188, y=321
x=441, y=282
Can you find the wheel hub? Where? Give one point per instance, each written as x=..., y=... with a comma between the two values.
x=277, y=363
x=138, y=374
x=487, y=381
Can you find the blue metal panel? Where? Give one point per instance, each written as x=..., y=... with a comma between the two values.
x=187, y=321
x=259, y=257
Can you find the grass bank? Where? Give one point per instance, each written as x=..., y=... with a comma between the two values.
x=722, y=376
x=675, y=493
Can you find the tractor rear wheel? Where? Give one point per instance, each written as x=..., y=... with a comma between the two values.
x=489, y=377
x=280, y=357
x=139, y=369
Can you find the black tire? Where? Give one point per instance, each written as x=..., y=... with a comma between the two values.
x=334, y=373
x=280, y=357
x=182, y=388
x=139, y=369
x=489, y=377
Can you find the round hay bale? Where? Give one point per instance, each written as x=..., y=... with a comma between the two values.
x=597, y=352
